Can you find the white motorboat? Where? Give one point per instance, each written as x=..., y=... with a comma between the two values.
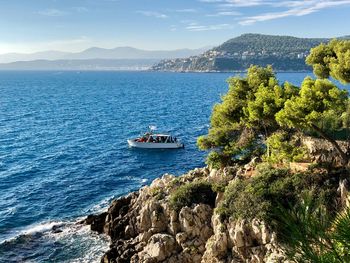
x=151, y=140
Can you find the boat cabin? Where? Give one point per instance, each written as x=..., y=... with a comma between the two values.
x=156, y=138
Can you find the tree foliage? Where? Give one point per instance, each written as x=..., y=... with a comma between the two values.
x=283, y=146
x=256, y=106
x=319, y=106
x=246, y=114
x=269, y=43
x=317, y=101
x=332, y=59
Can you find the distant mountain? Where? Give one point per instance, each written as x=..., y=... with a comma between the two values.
x=103, y=53
x=81, y=64
x=283, y=52
x=49, y=55
x=134, y=53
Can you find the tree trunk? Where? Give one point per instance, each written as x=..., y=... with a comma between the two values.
x=343, y=155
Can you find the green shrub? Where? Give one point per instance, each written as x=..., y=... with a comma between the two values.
x=216, y=160
x=157, y=193
x=176, y=182
x=219, y=187
x=192, y=193
x=257, y=196
x=239, y=202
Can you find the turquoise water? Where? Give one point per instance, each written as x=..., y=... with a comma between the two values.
x=63, y=150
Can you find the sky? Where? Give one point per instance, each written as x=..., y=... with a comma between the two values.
x=28, y=26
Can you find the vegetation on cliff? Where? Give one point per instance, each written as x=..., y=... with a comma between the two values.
x=269, y=43
x=258, y=196
x=192, y=193
x=259, y=117
x=283, y=52
x=257, y=107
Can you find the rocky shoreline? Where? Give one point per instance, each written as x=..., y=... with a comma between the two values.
x=144, y=228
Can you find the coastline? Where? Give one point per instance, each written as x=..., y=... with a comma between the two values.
x=233, y=71
x=185, y=218
x=144, y=227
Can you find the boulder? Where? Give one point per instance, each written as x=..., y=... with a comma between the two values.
x=159, y=247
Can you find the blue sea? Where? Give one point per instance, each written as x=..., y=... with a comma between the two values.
x=64, y=155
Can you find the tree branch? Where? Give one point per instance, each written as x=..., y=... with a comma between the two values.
x=342, y=154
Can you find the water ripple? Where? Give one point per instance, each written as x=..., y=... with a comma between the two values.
x=63, y=151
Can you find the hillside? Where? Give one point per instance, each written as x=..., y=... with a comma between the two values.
x=285, y=53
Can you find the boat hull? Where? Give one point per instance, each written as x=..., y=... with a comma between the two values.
x=152, y=145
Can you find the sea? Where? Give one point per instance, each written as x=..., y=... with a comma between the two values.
x=64, y=154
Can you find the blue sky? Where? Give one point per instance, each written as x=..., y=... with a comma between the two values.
x=73, y=25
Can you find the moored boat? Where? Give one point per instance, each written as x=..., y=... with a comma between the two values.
x=151, y=140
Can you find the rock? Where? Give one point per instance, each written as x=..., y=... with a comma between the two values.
x=196, y=221
x=213, y=173
x=343, y=189
x=120, y=206
x=216, y=247
x=174, y=226
x=88, y=220
x=159, y=247
x=219, y=198
x=143, y=227
x=237, y=235
x=97, y=222
x=56, y=229
x=322, y=151
x=152, y=217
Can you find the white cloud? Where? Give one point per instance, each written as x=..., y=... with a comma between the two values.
x=187, y=10
x=296, y=8
x=237, y=3
x=196, y=27
x=52, y=12
x=225, y=13
x=152, y=14
x=293, y=8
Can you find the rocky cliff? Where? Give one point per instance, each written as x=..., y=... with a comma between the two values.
x=182, y=219
x=322, y=151
x=144, y=227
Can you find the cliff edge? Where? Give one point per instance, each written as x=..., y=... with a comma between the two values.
x=145, y=226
